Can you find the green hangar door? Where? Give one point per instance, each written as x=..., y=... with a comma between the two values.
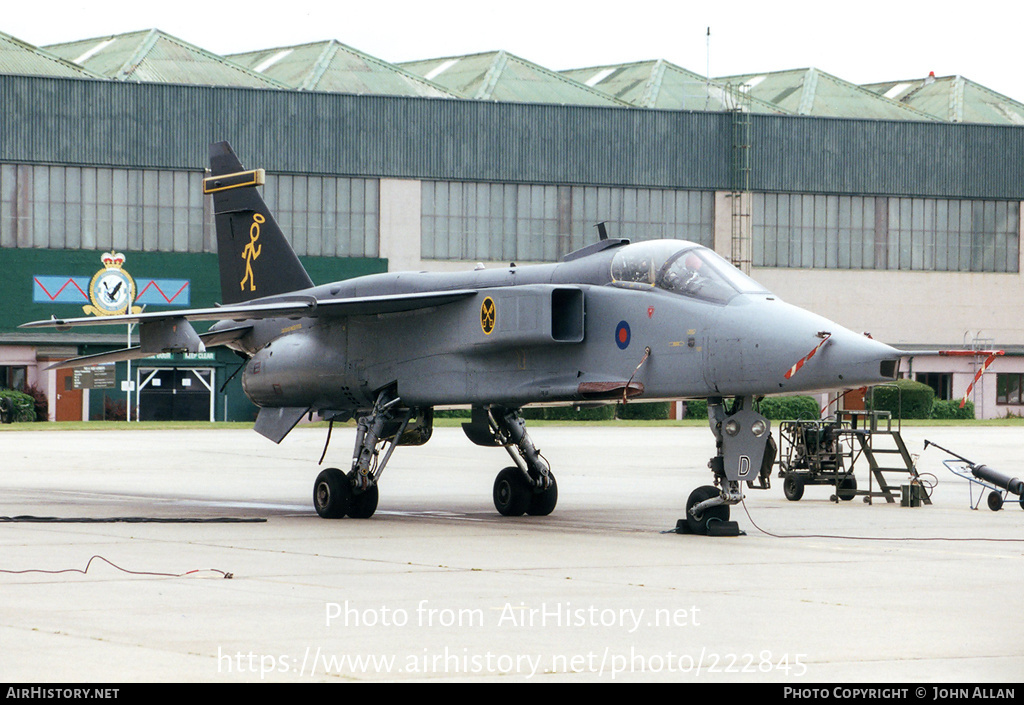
x=175, y=394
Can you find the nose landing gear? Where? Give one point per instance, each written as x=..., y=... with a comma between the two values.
x=745, y=453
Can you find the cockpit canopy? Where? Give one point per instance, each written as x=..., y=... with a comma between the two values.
x=681, y=267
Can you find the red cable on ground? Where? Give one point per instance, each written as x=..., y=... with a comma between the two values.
x=227, y=576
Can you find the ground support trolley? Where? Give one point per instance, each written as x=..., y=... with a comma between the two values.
x=825, y=452
x=1001, y=485
x=813, y=452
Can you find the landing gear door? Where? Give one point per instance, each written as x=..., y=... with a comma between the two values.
x=744, y=438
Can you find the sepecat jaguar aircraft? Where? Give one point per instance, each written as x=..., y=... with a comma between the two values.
x=613, y=321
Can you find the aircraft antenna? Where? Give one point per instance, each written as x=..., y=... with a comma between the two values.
x=707, y=74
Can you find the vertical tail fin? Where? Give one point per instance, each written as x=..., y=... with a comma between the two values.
x=255, y=258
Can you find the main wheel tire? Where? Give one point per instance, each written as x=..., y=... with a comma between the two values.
x=543, y=503
x=511, y=492
x=363, y=504
x=793, y=487
x=847, y=488
x=699, y=524
x=332, y=494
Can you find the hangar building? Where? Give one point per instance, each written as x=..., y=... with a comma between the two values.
x=893, y=209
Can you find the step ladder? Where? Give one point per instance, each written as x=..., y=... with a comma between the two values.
x=886, y=453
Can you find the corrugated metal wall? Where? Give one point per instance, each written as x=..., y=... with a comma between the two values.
x=886, y=158
x=111, y=123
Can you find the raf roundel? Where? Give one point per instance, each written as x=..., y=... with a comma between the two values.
x=622, y=335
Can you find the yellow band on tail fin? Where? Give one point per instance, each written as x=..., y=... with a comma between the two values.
x=213, y=184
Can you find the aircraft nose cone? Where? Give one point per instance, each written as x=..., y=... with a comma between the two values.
x=824, y=355
x=846, y=359
x=767, y=344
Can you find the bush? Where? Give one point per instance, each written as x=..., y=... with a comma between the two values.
x=452, y=413
x=114, y=409
x=904, y=399
x=22, y=406
x=39, y=399
x=790, y=408
x=542, y=413
x=647, y=411
x=776, y=408
x=950, y=409
x=604, y=412
x=696, y=409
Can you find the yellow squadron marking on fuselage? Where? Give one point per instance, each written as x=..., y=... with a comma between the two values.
x=252, y=251
x=487, y=315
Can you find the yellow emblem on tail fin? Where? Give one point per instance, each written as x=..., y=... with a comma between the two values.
x=252, y=251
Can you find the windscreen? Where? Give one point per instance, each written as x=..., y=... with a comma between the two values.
x=681, y=268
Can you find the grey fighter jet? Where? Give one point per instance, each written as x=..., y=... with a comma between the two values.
x=614, y=321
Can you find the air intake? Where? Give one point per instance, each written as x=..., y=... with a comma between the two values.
x=889, y=368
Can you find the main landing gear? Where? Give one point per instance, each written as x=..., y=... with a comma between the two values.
x=529, y=486
x=337, y=494
x=745, y=453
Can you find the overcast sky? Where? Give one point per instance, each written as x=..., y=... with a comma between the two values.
x=864, y=41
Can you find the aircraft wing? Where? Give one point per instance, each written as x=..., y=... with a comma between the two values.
x=279, y=309
x=171, y=331
x=293, y=307
x=390, y=303
x=220, y=337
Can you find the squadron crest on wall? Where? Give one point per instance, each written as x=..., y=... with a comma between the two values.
x=112, y=289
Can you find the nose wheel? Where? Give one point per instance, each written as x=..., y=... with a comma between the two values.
x=699, y=518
